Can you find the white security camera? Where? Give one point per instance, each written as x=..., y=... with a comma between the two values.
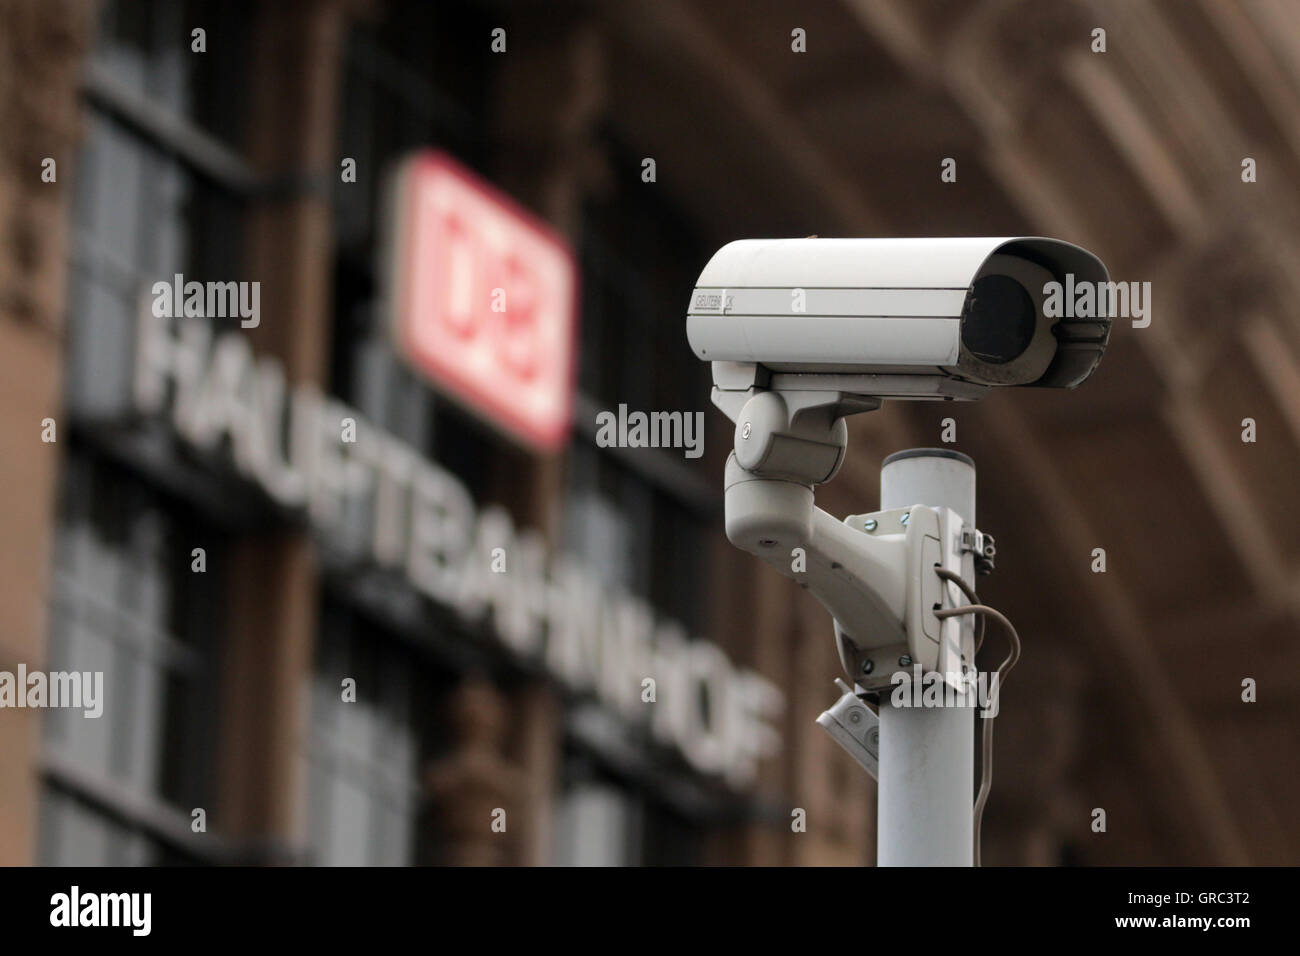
x=914, y=318
x=801, y=333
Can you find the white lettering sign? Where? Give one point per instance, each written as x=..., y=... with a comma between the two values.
x=422, y=522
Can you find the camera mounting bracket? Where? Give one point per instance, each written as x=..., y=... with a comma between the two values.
x=838, y=393
x=874, y=573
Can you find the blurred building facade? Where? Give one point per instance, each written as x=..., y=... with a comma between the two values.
x=223, y=684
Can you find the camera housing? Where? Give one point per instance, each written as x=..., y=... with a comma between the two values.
x=898, y=318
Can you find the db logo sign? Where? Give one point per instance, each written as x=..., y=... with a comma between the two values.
x=485, y=300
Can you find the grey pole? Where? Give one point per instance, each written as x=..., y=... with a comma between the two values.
x=927, y=755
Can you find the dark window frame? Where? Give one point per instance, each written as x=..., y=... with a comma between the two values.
x=160, y=131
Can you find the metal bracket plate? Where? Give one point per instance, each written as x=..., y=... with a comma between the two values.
x=855, y=727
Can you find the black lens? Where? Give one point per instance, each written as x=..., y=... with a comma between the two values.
x=999, y=320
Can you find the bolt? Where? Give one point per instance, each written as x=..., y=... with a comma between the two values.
x=903, y=520
x=855, y=717
x=868, y=667
x=744, y=432
x=905, y=661
x=870, y=524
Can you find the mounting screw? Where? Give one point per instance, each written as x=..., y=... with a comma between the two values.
x=905, y=661
x=868, y=667
x=870, y=524
x=903, y=520
x=745, y=431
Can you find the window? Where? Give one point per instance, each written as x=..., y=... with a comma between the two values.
x=139, y=215
x=603, y=821
x=144, y=50
x=409, y=83
x=159, y=190
x=155, y=194
x=640, y=514
x=366, y=753
x=127, y=604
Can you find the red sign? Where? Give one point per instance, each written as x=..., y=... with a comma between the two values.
x=486, y=300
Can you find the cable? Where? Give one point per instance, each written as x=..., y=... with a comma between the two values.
x=986, y=750
x=971, y=596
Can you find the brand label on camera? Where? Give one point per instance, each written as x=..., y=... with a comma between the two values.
x=711, y=301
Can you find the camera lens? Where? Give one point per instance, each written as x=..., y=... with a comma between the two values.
x=998, y=322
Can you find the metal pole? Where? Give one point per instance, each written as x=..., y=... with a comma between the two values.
x=927, y=754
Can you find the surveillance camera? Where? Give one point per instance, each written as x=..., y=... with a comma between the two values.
x=804, y=332
x=898, y=318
